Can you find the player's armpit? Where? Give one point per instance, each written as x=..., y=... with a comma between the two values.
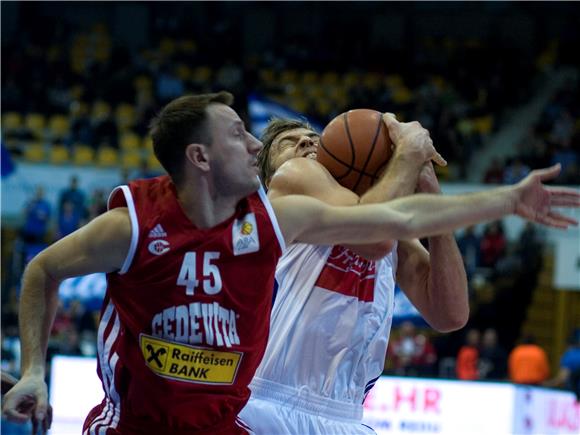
x=99, y=246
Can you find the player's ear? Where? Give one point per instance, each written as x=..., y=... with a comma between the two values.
x=198, y=156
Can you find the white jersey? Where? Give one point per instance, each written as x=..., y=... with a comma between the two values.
x=330, y=323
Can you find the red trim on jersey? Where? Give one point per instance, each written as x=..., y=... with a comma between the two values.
x=349, y=274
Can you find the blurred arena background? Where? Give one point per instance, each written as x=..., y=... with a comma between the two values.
x=496, y=83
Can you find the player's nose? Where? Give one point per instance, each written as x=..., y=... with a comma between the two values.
x=254, y=145
x=306, y=141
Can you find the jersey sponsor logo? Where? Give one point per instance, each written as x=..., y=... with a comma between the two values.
x=245, y=238
x=349, y=274
x=157, y=232
x=158, y=247
x=197, y=323
x=189, y=363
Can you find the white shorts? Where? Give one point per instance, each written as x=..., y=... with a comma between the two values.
x=276, y=409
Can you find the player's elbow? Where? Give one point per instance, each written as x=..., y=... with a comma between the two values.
x=453, y=321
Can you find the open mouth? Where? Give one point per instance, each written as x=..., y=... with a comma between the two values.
x=310, y=155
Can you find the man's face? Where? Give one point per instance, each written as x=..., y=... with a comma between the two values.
x=232, y=153
x=297, y=142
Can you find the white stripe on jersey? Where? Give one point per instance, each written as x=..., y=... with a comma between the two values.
x=134, y=224
x=111, y=413
x=273, y=219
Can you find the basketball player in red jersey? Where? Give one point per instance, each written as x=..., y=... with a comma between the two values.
x=190, y=259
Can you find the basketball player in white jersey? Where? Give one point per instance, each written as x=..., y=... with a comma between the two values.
x=209, y=198
x=332, y=314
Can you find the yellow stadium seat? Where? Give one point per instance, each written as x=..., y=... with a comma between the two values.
x=402, y=95
x=83, y=155
x=143, y=83
x=153, y=163
x=147, y=144
x=131, y=160
x=483, y=124
x=183, y=72
x=267, y=76
x=101, y=109
x=167, y=46
x=288, y=77
x=350, y=79
x=107, y=157
x=58, y=126
x=36, y=124
x=330, y=78
x=34, y=152
x=393, y=80
x=310, y=78
x=125, y=116
x=202, y=74
x=130, y=141
x=58, y=155
x=11, y=121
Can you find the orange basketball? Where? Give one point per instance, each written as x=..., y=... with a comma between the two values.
x=355, y=147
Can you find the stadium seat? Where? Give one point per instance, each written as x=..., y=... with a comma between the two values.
x=11, y=121
x=107, y=157
x=125, y=116
x=143, y=83
x=202, y=74
x=310, y=78
x=131, y=159
x=153, y=163
x=36, y=124
x=34, y=152
x=130, y=141
x=101, y=109
x=58, y=154
x=83, y=155
x=58, y=126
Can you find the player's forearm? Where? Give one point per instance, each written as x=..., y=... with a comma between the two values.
x=434, y=215
x=400, y=179
x=38, y=304
x=447, y=284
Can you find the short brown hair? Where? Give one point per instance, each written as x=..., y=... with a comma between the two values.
x=272, y=130
x=181, y=122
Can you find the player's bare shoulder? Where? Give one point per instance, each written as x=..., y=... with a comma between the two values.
x=304, y=176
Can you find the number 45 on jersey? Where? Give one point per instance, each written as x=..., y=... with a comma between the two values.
x=210, y=276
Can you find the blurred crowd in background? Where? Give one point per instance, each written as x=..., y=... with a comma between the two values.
x=81, y=90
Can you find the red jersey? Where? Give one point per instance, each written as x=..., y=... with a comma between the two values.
x=185, y=321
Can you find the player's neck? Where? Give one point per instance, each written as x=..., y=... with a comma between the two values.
x=204, y=207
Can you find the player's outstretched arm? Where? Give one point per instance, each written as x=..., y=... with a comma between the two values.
x=308, y=220
x=99, y=246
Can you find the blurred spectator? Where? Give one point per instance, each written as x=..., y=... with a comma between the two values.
x=492, y=357
x=469, y=245
x=37, y=218
x=494, y=174
x=75, y=196
x=69, y=220
x=528, y=363
x=105, y=131
x=493, y=244
x=529, y=247
x=468, y=357
x=82, y=318
x=568, y=375
x=81, y=130
x=412, y=353
x=169, y=86
x=98, y=204
x=515, y=171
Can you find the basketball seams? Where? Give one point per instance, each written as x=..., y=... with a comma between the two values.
x=369, y=154
x=349, y=167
